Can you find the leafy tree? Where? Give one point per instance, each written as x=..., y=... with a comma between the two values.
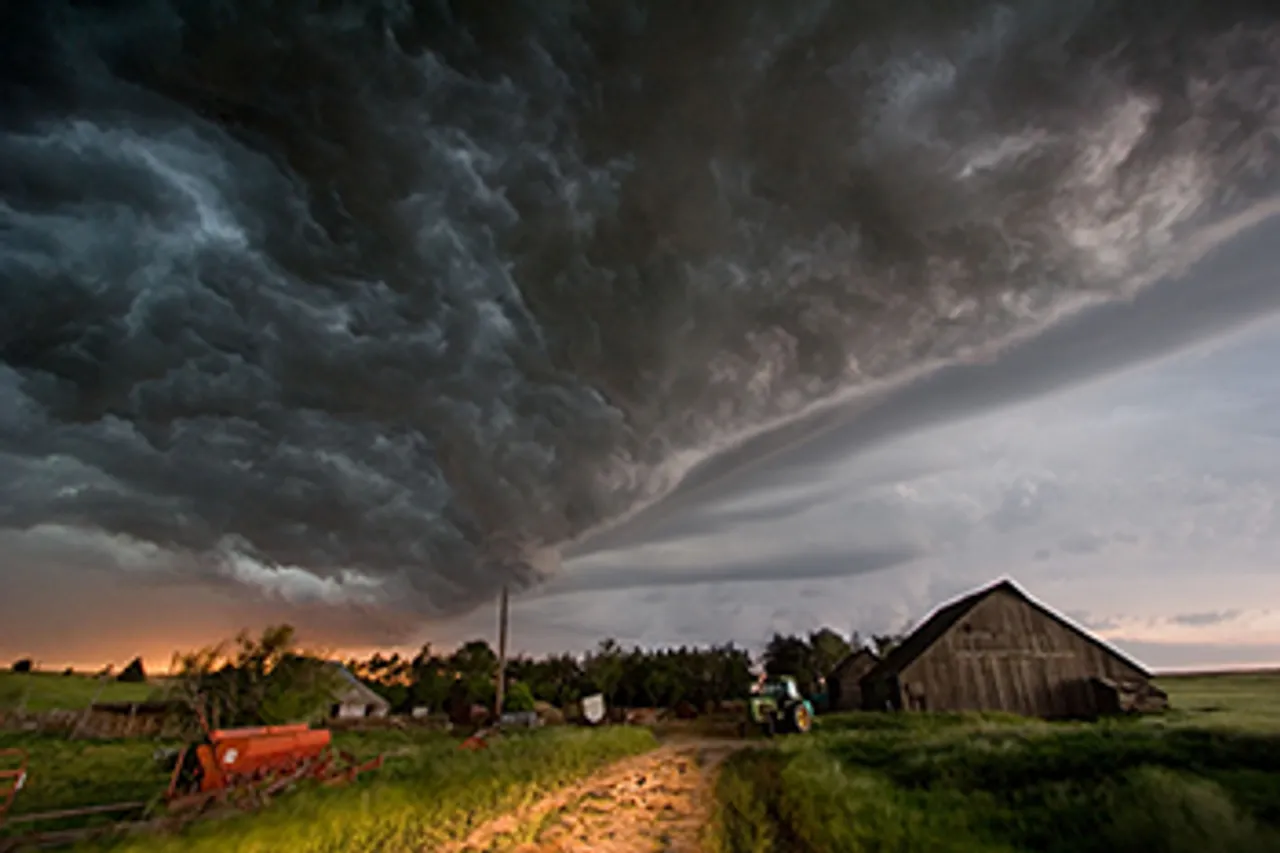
x=604, y=669
x=518, y=698
x=791, y=655
x=23, y=665
x=828, y=650
x=809, y=660
x=133, y=673
x=264, y=681
x=885, y=643
x=430, y=679
x=476, y=664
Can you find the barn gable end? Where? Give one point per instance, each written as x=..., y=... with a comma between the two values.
x=998, y=649
x=844, y=681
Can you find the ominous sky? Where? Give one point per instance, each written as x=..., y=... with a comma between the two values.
x=1134, y=487
x=1124, y=467
x=689, y=325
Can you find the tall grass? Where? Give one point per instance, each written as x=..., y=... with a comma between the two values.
x=966, y=784
x=421, y=799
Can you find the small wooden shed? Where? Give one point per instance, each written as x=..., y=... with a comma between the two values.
x=844, y=682
x=353, y=699
x=998, y=649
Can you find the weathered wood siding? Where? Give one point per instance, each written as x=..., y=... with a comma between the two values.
x=881, y=694
x=1007, y=655
x=844, y=683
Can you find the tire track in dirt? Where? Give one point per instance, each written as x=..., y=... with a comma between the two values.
x=659, y=802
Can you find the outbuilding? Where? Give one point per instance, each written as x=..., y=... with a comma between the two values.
x=844, y=682
x=998, y=649
x=353, y=699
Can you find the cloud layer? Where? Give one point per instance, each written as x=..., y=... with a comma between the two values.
x=1142, y=503
x=381, y=303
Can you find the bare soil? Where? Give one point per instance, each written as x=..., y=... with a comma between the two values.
x=656, y=802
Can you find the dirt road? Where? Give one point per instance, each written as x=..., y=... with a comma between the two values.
x=655, y=802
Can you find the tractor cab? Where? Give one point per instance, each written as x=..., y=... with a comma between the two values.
x=781, y=688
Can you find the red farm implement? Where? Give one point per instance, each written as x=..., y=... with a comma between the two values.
x=247, y=767
x=229, y=770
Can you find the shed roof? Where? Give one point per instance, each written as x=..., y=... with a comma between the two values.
x=353, y=691
x=853, y=657
x=946, y=617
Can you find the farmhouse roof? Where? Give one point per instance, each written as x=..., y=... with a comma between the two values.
x=944, y=618
x=353, y=691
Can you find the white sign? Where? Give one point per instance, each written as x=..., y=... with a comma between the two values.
x=593, y=708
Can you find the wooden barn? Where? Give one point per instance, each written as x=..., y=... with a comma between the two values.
x=844, y=682
x=998, y=649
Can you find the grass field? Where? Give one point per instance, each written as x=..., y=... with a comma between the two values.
x=427, y=793
x=1239, y=700
x=46, y=691
x=1205, y=778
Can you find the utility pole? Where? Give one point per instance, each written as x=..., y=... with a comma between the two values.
x=500, y=692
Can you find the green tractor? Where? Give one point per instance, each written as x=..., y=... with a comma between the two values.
x=776, y=706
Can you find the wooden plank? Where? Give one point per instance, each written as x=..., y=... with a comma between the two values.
x=36, y=817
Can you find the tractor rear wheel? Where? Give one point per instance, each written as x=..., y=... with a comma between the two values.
x=801, y=720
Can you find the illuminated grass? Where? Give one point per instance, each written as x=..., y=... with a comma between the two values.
x=429, y=794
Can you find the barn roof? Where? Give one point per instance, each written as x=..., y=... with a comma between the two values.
x=946, y=617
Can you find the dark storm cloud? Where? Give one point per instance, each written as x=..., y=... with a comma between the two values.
x=1227, y=288
x=414, y=292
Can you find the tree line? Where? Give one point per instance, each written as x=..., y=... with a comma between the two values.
x=632, y=677
x=268, y=678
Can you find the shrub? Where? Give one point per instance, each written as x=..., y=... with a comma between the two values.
x=518, y=698
x=24, y=665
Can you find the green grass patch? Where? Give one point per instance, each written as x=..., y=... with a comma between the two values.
x=980, y=784
x=1240, y=700
x=428, y=793
x=65, y=774
x=46, y=691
